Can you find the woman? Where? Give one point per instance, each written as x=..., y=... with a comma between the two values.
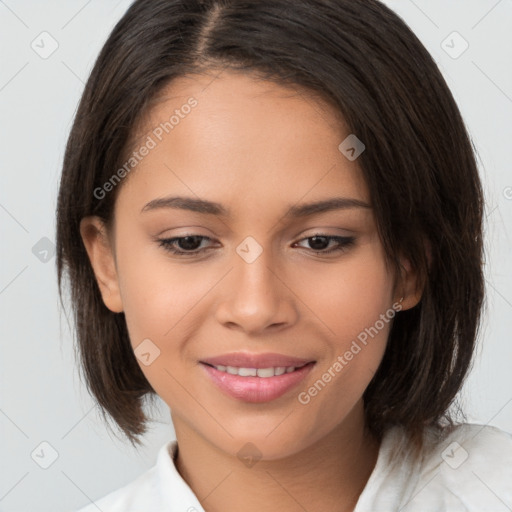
x=271, y=217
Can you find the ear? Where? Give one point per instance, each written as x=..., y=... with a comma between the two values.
x=101, y=255
x=409, y=288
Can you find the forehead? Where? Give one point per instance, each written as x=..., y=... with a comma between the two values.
x=235, y=138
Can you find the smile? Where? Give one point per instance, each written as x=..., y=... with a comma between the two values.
x=256, y=372
x=256, y=385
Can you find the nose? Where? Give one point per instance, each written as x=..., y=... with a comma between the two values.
x=256, y=297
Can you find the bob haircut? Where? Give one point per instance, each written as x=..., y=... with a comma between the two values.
x=419, y=166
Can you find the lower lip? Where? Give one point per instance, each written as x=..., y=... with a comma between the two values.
x=257, y=389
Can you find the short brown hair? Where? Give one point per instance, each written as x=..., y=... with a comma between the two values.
x=419, y=166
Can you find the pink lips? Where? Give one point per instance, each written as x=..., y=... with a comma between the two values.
x=256, y=389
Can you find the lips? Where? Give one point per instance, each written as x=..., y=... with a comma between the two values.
x=229, y=373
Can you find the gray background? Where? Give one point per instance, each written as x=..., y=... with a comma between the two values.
x=42, y=398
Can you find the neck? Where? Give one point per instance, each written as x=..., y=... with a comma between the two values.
x=329, y=474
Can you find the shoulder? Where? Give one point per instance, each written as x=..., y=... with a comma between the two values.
x=136, y=494
x=159, y=488
x=143, y=493
x=468, y=469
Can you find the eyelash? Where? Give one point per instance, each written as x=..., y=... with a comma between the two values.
x=344, y=243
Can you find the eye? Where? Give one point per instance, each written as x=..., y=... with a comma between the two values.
x=319, y=242
x=190, y=245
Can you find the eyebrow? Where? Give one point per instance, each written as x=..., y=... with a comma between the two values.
x=213, y=208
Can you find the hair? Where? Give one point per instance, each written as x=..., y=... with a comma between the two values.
x=419, y=166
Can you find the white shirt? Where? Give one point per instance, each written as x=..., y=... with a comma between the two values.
x=469, y=471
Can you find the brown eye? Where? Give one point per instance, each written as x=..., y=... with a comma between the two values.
x=184, y=245
x=319, y=242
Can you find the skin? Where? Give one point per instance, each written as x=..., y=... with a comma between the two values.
x=256, y=148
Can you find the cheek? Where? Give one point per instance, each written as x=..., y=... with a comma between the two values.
x=159, y=297
x=354, y=303
x=157, y=292
x=349, y=295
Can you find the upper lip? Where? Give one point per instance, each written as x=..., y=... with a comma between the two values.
x=247, y=360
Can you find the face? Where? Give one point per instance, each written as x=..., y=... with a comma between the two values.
x=261, y=276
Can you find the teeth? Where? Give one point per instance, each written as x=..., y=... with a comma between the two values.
x=256, y=372
x=248, y=372
x=263, y=372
